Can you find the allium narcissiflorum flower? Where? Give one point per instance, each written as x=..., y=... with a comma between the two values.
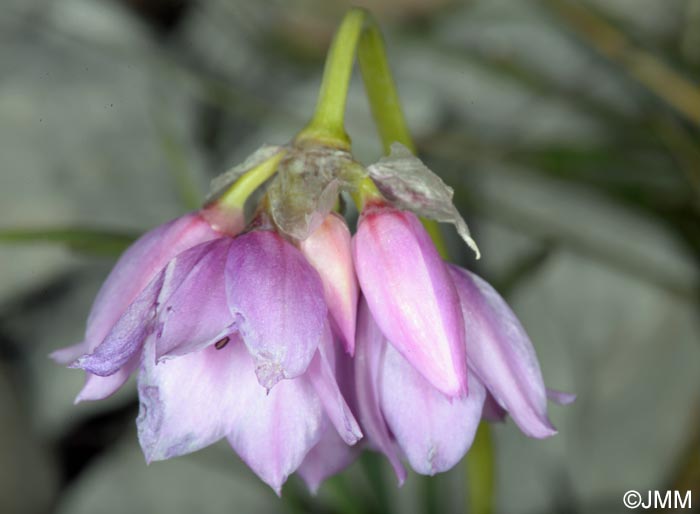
x=437, y=346
x=235, y=336
x=261, y=319
x=245, y=327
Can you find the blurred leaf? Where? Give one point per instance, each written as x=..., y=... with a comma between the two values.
x=524, y=267
x=649, y=70
x=688, y=474
x=372, y=463
x=85, y=240
x=344, y=496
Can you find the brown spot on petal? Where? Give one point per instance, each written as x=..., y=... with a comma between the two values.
x=222, y=342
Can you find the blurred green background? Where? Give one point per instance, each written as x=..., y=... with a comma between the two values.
x=570, y=131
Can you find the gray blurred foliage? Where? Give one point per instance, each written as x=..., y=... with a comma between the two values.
x=579, y=185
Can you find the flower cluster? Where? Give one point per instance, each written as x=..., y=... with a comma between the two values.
x=294, y=339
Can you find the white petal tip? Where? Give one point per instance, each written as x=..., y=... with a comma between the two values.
x=472, y=244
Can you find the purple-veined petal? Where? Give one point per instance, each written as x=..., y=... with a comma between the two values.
x=276, y=298
x=274, y=432
x=189, y=300
x=329, y=250
x=411, y=295
x=321, y=374
x=330, y=456
x=137, y=266
x=191, y=401
x=127, y=336
x=501, y=354
x=433, y=430
x=196, y=314
x=368, y=360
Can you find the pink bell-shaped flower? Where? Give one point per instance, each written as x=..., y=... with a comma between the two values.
x=411, y=295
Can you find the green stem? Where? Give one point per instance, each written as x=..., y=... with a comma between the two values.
x=327, y=124
x=358, y=33
x=381, y=89
x=236, y=196
x=226, y=213
x=480, y=472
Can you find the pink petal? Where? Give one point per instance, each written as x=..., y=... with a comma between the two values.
x=501, y=354
x=132, y=273
x=99, y=388
x=137, y=266
x=560, y=397
x=69, y=353
x=368, y=359
x=411, y=295
x=328, y=249
x=196, y=313
x=191, y=401
x=330, y=456
x=277, y=300
x=275, y=431
x=433, y=430
x=189, y=296
x=127, y=336
x=321, y=374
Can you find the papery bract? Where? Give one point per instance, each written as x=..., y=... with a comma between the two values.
x=408, y=184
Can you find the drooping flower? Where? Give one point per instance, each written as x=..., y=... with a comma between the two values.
x=236, y=334
x=244, y=327
x=234, y=341
x=403, y=414
x=114, y=311
x=438, y=349
x=411, y=296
